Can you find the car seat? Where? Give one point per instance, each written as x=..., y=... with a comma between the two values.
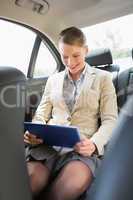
x=14, y=184
x=102, y=59
x=124, y=86
x=115, y=177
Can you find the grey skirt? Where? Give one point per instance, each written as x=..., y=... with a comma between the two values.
x=54, y=160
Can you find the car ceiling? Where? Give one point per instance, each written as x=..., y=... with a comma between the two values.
x=64, y=13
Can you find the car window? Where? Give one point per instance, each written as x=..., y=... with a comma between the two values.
x=16, y=44
x=116, y=35
x=45, y=63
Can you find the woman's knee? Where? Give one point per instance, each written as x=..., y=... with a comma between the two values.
x=80, y=173
x=74, y=178
x=39, y=176
x=75, y=174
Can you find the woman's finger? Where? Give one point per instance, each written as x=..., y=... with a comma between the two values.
x=30, y=135
x=37, y=141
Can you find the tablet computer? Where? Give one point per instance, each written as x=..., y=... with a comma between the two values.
x=54, y=135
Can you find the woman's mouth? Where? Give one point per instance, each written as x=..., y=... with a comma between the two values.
x=75, y=67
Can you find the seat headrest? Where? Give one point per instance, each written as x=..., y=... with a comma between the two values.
x=10, y=74
x=99, y=57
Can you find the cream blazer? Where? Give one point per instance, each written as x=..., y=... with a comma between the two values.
x=97, y=99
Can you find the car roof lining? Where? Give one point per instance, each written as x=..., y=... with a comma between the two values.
x=66, y=13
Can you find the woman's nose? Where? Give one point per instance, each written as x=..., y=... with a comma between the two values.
x=70, y=62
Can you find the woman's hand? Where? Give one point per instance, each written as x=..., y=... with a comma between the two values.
x=85, y=147
x=32, y=139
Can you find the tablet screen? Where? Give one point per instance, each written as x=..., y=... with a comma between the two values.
x=54, y=135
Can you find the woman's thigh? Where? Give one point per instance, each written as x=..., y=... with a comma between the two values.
x=72, y=180
x=39, y=175
x=93, y=163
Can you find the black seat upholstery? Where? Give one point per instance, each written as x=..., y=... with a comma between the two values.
x=99, y=57
x=13, y=174
x=102, y=59
x=124, y=86
x=115, y=178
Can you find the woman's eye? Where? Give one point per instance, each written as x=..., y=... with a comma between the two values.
x=76, y=56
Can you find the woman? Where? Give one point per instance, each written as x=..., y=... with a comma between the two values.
x=77, y=96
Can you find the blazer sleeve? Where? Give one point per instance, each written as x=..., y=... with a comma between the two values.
x=43, y=112
x=108, y=113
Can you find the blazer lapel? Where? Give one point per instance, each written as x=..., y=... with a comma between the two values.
x=89, y=78
x=60, y=91
x=87, y=84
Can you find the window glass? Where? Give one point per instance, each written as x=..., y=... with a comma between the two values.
x=16, y=43
x=45, y=63
x=115, y=34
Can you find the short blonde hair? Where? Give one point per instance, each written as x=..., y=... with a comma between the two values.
x=72, y=36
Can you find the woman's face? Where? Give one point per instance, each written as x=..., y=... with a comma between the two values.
x=73, y=57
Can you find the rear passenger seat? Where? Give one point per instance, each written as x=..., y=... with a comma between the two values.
x=13, y=172
x=124, y=86
x=102, y=59
x=123, y=81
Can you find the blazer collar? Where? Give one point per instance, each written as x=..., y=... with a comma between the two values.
x=87, y=84
x=89, y=76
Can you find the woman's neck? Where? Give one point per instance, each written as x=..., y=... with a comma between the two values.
x=75, y=76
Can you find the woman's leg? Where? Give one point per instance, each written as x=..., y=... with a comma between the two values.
x=39, y=176
x=71, y=182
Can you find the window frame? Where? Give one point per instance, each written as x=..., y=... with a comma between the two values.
x=40, y=37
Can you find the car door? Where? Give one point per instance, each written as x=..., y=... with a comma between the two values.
x=34, y=54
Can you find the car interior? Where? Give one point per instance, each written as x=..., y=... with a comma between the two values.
x=102, y=59
x=124, y=88
x=13, y=172
x=12, y=75
x=115, y=178
x=46, y=19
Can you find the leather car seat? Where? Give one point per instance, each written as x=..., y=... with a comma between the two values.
x=14, y=183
